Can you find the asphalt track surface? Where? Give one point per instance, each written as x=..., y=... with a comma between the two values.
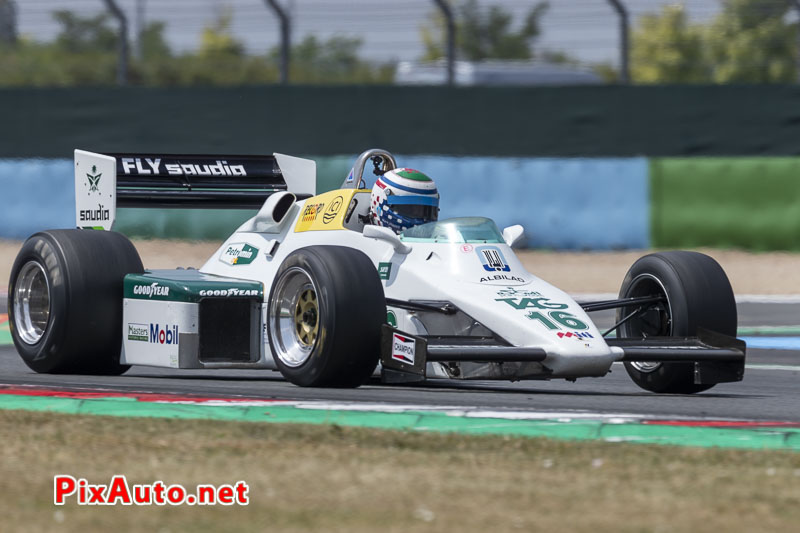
x=770, y=390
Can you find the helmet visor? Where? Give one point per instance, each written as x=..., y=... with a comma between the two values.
x=417, y=207
x=428, y=213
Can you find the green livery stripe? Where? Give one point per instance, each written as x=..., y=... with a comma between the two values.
x=187, y=286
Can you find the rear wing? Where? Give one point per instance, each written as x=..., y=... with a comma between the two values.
x=104, y=182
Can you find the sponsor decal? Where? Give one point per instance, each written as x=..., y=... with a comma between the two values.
x=537, y=303
x=233, y=291
x=92, y=215
x=349, y=177
x=324, y=212
x=578, y=335
x=145, y=165
x=501, y=277
x=467, y=248
x=548, y=313
x=94, y=180
x=138, y=332
x=492, y=259
x=391, y=319
x=311, y=211
x=384, y=270
x=333, y=209
x=154, y=289
x=166, y=335
x=239, y=253
x=510, y=292
x=555, y=320
x=403, y=349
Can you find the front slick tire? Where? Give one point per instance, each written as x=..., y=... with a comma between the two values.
x=698, y=294
x=326, y=308
x=65, y=300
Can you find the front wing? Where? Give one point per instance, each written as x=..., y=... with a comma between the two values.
x=717, y=358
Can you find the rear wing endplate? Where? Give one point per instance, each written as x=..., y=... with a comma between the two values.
x=104, y=182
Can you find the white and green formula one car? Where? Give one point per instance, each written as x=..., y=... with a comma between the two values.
x=310, y=288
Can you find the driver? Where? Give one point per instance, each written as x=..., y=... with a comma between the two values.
x=403, y=198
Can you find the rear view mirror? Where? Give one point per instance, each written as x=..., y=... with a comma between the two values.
x=513, y=234
x=385, y=234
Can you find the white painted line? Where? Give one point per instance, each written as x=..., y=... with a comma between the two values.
x=740, y=298
x=768, y=298
x=785, y=368
x=756, y=366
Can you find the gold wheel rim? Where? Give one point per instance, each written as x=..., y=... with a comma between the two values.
x=306, y=317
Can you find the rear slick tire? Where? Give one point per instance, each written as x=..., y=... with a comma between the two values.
x=326, y=308
x=698, y=294
x=65, y=300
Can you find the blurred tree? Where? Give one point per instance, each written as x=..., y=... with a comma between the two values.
x=8, y=22
x=84, y=34
x=153, y=45
x=666, y=48
x=157, y=64
x=484, y=34
x=749, y=41
x=84, y=53
x=217, y=39
x=333, y=61
x=607, y=71
x=337, y=54
x=220, y=59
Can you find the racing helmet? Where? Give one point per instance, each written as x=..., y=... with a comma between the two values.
x=403, y=198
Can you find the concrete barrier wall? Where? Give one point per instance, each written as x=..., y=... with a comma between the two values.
x=750, y=203
x=35, y=194
x=563, y=203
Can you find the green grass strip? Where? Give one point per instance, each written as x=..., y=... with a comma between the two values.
x=743, y=438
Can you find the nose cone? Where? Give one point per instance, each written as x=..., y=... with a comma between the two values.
x=487, y=264
x=489, y=284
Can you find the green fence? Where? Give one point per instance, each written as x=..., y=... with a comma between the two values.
x=588, y=121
